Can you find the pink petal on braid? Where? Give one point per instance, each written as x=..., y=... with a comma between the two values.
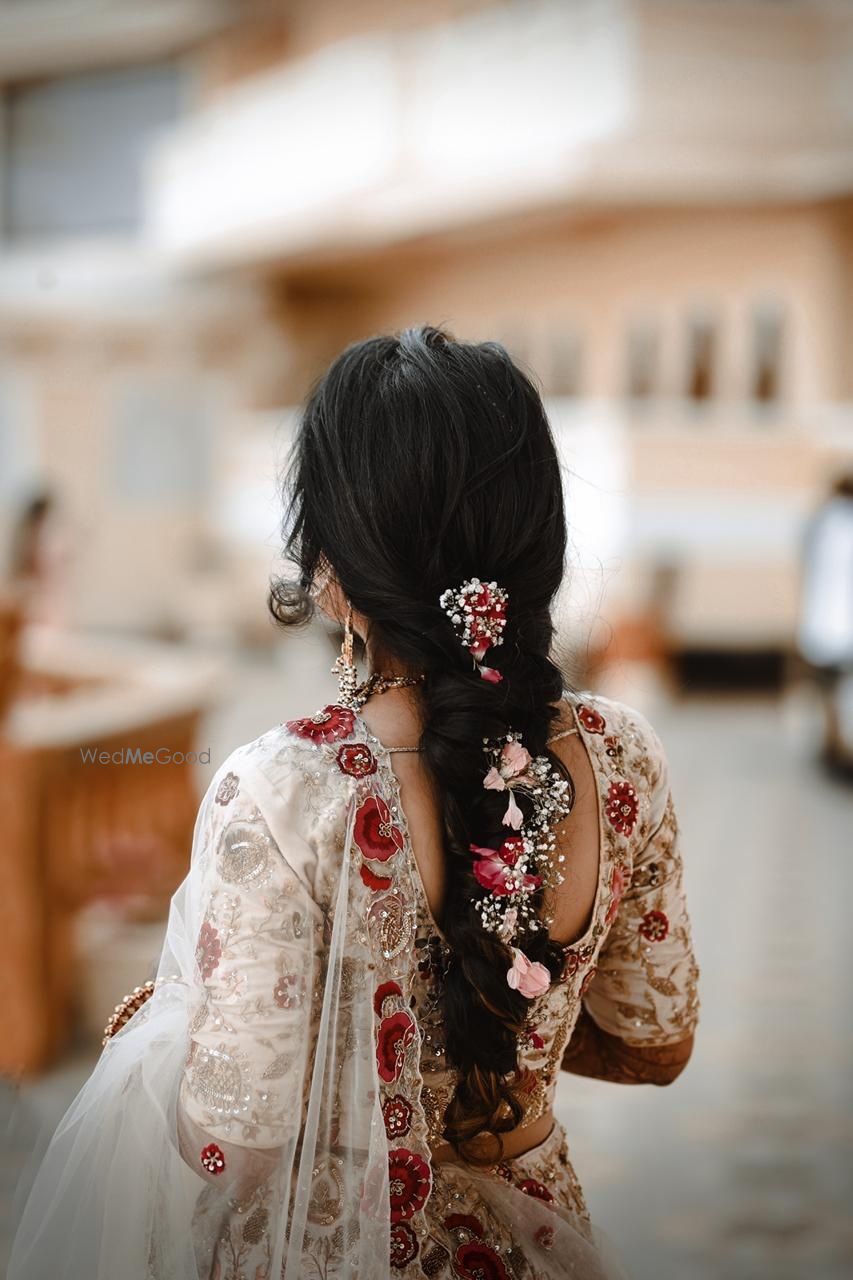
x=529, y=978
x=513, y=816
x=493, y=780
x=490, y=675
x=514, y=759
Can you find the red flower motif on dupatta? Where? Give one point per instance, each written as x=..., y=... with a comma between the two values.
x=404, y=1245
x=328, y=725
x=593, y=721
x=538, y=1190
x=397, y=1114
x=544, y=1237
x=464, y=1222
x=381, y=994
x=356, y=759
x=374, y=831
x=372, y=880
x=410, y=1182
x=395, y=1035
x=478, y=1261
x=654, y=926
x=208, y=951
x=621, y=807
x=212, y=1159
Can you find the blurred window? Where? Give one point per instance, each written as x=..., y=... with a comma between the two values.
x=163, y=443
x=701, y=357
x=768, y=325
x=641, y=359
x=75, y=148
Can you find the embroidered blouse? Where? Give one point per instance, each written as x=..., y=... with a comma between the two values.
x=272, y=1110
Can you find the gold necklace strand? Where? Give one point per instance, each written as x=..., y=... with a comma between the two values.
x=378, y=683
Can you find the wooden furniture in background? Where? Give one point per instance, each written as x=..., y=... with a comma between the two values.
x=77, y=832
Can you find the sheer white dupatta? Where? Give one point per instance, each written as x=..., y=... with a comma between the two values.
x=262, y=1116
x=233, y=1127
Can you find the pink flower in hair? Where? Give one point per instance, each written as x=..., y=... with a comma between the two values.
x=478, y=613
x=495, y=868
x=510, y=771
x=528, y=977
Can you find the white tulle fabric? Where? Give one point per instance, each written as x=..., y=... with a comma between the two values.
x=261, y=1116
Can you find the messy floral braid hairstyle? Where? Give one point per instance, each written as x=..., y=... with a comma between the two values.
x=420, y=463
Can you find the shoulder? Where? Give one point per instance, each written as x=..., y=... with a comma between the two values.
x=624, y=744
x=291, y=755
x=291, y=776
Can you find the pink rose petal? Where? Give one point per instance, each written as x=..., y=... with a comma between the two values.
x=529, y=978
x=490, y=675
x=514, y=759
x=513, y=816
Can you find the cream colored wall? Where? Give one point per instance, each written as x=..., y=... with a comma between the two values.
x=597, y=274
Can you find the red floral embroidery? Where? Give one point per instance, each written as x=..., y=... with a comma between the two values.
x=544, y=1237
x=538, y=1190
x=212, y=1159
x=404, y=1245
x=328, y=725
x=395, y=1035
x=536, y=1040
x=356, y=759
x=587, y=980
x=571, y=964
x=612, y=746
x=372, y=880
x=477, y=1261
x=464, y=1222
x=208, y=950
x=397, y=1114
x=227, y=789
x=593, y=721
x=289, y=991
x=410, y=1181
x=374, y=832
x=618, y=885
x=622, y=806
x=654, y=926
x=383, y=991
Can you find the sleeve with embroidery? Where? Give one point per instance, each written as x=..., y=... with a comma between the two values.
x=645, y=987
x=257, y=953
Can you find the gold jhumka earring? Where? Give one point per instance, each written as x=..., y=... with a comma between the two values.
x=345, y=668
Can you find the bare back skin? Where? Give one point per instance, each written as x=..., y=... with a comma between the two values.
x=393, y=719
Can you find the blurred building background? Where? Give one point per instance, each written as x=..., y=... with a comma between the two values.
x=651, y=203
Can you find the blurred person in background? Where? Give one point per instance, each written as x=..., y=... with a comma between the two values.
x=39, y=558
x=826, y=620
x=406, y=911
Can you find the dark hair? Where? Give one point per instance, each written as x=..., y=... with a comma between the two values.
x=421, y=462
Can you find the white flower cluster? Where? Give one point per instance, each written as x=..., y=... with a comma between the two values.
x=478, y=612
x=533, y=861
